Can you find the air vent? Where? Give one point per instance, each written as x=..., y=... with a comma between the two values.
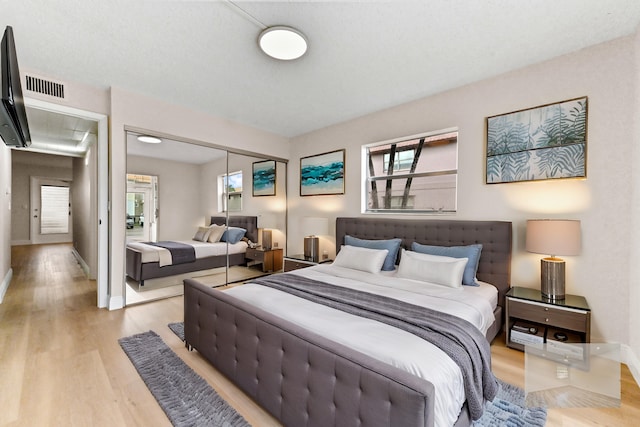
x=45, y=87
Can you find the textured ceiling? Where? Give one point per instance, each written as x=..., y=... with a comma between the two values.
x=364, y=56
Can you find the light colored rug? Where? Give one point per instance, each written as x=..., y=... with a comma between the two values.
x=509, y=409
x=186, y=398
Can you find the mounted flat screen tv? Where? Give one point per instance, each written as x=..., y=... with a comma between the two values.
x=14, y=128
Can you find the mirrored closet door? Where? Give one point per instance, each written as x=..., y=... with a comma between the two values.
x=176, y=190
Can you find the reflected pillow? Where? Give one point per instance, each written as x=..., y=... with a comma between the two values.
x=233, y=235
x=441, y=270
x=391, y=245
x=215, y=233
x=363, y=259
x=471, y=252
x=202, y=234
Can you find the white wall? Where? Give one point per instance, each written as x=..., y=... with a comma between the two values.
x=180, y=191
x=84, y=201
x=605, y=74
x=5, y=219
x=634, y=234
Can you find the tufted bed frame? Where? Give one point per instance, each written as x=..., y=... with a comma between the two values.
x=139, y=271
x=304, y=379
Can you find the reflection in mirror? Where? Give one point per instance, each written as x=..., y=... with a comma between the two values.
x=169, y=204
x=264, y=198
x=197, y=186
x=142, y=208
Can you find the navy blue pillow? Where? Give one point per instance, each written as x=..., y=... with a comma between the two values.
x=392, y=245
x=233, y=234
x=472, y=252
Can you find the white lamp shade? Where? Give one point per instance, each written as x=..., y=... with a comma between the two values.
x=267, y=221
x=553, y=236
x=315, y=226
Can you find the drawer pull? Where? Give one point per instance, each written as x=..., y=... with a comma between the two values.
x=546, y=309
x=546, y=320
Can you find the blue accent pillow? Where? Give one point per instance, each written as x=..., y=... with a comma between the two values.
x=392, y=245
x=233, y=234
x=471, y=251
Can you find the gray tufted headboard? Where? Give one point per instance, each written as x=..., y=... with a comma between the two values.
x=249, y=223
x=495, y=236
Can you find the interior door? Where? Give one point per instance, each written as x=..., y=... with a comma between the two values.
x=51, y=211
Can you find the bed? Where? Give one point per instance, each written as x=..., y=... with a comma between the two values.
x=139, y=270
x=302, y=377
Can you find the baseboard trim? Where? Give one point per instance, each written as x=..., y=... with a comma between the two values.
x=20, y=242
x=630, y=359
x=5, y=284
x=83, y=264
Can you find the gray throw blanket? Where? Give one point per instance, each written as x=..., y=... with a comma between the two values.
x=181, y=253
x=458, y=338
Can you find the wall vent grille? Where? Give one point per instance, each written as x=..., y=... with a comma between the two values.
x=45, y=87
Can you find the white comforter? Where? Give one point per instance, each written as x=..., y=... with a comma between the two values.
x=381, y=341
x=162, y=256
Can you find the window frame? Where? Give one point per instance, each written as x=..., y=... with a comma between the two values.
x=366, y=180
x=225, y=195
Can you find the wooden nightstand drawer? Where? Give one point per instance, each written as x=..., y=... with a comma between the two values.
x=290, y=265
x=255, y=255
x=573, y=319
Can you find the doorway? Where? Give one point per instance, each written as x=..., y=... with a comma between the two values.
x=97, y=233
x=51, y=212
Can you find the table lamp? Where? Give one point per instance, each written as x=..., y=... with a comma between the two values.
x=314, y=227
x=266, y=222
x=553, y=237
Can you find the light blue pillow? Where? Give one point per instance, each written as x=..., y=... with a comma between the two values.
x=471, y=251
x=392, y=245
x=233, y=235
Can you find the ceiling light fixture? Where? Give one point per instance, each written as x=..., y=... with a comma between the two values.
x=284, y=43
x=149, y=139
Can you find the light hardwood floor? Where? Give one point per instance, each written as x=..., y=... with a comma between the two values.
x=61, y=365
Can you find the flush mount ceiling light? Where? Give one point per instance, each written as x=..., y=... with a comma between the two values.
x=284, y=43
x=149, y=139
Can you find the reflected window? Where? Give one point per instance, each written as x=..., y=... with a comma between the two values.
x=231, y=191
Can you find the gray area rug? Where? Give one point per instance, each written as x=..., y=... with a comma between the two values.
x=186, y=398
x=509, y=409
x=178, y=329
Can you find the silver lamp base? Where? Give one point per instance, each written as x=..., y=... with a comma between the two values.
x=552, y=278
x=312, y=248
x=266, y=239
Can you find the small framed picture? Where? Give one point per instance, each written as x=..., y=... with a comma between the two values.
x=322, y=174
x=264, y=178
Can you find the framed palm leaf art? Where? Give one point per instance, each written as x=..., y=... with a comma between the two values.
x=545, y=142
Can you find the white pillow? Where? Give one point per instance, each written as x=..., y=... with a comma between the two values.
x=202, y=234
x=441, y=270
x=363, y=259
x=215, y=233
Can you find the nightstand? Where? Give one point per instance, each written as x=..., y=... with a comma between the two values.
x=271, y=259
x=295, y=262
x=533, y=318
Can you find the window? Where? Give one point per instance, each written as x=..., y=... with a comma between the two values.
x=402, y=161
x=230, y=186
x=54, y=209
x=417, y=174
